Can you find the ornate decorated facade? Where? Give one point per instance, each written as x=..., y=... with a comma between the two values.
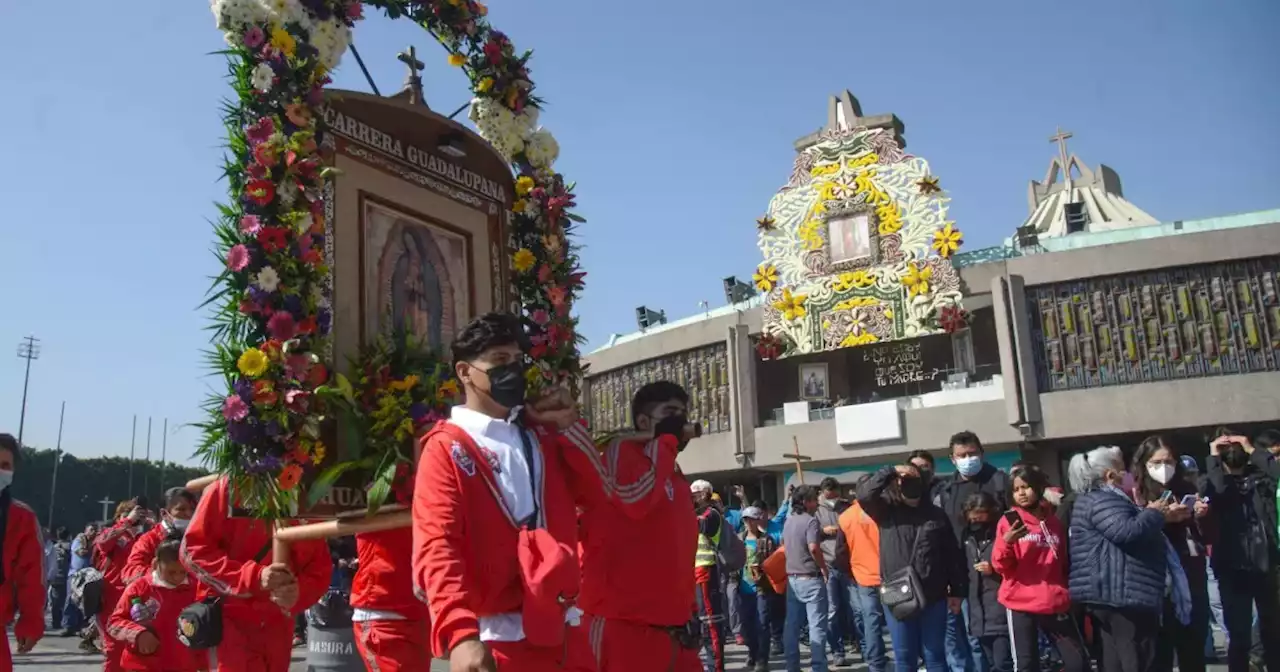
x=703, y=372
x=857, y=245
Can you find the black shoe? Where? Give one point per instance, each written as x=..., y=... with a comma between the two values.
x=68, y=633
x=761, y=666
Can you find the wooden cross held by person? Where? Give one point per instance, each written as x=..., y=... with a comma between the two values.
x=798, y=458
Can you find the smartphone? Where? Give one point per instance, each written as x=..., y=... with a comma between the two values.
x=1189, y=500
x=1012, y=518
x=1167, y=496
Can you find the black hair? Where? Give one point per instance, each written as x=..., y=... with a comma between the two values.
x=922, y=454
x=800, y=495
x=142, y=502
x=1149, y=488
x=965, y=438
x=62, y=533
x=655, y=394
x=488, y=331
x=1033, y=477
x=830, y=483
x=1267, y=440
x=7, y=442
x=167, y=551
x=981, y=500
x=759, y=504
x=173, y=496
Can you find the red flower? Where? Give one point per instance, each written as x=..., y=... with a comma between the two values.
x=266, y=155
x=768, y=347
x=953, y=319
x=312, y=257
x=272, y=349
x=307, y=326
x=264, y=394
x=273, y=239
x=318, y=375
x=493, y=50
x=282, y=326
x=248, y=307
x=290, y=476
x=557, y=296
x=260, y=191
x=544, y=274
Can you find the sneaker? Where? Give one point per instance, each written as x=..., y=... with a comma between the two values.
x=839, y=661
x=761, y=666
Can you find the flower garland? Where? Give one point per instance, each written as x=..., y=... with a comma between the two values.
x=271, y=316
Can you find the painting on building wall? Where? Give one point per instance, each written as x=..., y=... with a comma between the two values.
x=1189, y=322
x=857, y=247
x=813, y=382
x=703, y=372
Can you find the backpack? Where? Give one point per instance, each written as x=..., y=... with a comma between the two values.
x=86, y=591
x=61, y=560
x=731, y=551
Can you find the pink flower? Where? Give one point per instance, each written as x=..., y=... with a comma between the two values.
x=260, y=131
x=253, y=37
x=234, y=409
x=238, y=258
x=281, y=326
x=355, y=11
x=296, y=400
x=297, y=366
x=540, y=317
x=250, y=225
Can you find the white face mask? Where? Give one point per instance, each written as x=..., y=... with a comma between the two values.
x=1163, y=473
x=155, y=578
x=6, y=477
x=179, y=523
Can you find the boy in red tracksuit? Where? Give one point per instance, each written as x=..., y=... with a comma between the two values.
x=231, y=558
x=494, y=516
x=390, y=622
x=145, y=621
x=179, y=505
x=638, y=550
x=1030, y=557
x=111, y=552
x=22, y=588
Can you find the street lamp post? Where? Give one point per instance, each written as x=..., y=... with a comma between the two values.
x=28, y=349
x=57, y=459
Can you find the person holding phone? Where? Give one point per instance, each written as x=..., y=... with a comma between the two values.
x=1030, y=558
x=1157, y=470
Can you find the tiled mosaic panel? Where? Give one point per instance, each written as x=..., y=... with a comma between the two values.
x=704, y=372
x=1187, y=322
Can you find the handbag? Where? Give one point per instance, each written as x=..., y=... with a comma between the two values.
x=200, y=624
x=549, y=570
x=901, y=593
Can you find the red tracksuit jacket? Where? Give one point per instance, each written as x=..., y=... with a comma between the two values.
x=465, y=542
x=638, y=550
x=384, y=579
x=23, y=591
x=1033, y=568
x=219, y=551
x=112, y=548
x=143, y=553
x=164, y=605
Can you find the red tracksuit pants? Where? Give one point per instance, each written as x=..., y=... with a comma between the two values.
x=253, y=644
x=393, y=646
x=622, y=646
x=111, y=648
x=573, y=656
x=6, y=658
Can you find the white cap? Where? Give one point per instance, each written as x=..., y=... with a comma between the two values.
x=700, y=486
x=753, y=512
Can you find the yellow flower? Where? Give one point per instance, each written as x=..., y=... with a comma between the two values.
x=447, y=390
x=917, y=279
x=252, y=363
x=792, y=306
x=404, y=385
x=523, y=260
x=484, y=85
x=282, y=40
x=947, y=240
x=317, y=453
x=524, y=185
x=765, y=277
x=859, y=279
x=890, y=219
x=404, y=431
x=519, y=205
x=456, y=60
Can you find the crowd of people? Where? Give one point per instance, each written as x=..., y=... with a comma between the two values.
x=532, y=548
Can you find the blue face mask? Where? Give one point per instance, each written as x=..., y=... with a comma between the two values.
x=968, y=466
x=6, y=478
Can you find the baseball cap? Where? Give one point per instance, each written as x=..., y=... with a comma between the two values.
x=753, y=512
x=1189, y=463
x=700, y=486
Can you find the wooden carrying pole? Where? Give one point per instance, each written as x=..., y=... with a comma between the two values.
x=336, y=528
x=798, y=458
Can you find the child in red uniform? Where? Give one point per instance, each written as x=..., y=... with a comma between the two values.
x=179, y=505
x=111, y=553
x=21, y=563
x=1031, y=559
x=390, y=622
x=230, y=556
x=648, y=531
x=494, y=516
x=145, y=621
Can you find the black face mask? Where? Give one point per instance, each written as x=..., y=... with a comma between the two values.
x=1235, y=457
x=911, y=487
x=981, y=530
x=507, y=384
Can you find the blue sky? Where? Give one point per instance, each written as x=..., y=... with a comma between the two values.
x=676, y=119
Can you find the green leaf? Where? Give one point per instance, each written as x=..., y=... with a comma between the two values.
x=577, y=218
x=381, y=487
x=324, y=482
x=344, y=386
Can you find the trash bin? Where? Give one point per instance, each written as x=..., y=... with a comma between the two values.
x=332, y=650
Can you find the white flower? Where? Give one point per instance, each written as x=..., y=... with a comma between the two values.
x=287, y=193
x=233, y=16
x=262, y=77
x=267, y=279
x=542, y=150
x=498, y=125
x=284, y=11
x=304, y=223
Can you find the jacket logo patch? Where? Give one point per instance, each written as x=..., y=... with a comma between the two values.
x=492, y=459
x=671, y=492
x=462, y=459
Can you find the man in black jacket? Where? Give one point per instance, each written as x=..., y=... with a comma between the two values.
x=973, y=475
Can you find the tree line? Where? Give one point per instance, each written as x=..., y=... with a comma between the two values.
x=83, y=484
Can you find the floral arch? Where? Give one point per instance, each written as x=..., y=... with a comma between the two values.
x=272, y=315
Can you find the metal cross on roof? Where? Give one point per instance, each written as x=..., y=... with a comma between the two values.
x=1061, y=139
x=413, y=83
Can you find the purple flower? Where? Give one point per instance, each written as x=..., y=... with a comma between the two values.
x=293, y=304
x=324, y=320
x=253, y=37
x=418, y=410
x=242, y=433
x=244, y=390
x=259, y=296
x=273, y=429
